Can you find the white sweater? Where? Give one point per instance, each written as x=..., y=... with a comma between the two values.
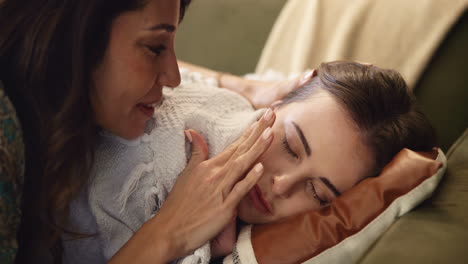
x=131, y=179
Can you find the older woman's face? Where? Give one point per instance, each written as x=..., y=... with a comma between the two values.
x=138, y=62
x=316, y=155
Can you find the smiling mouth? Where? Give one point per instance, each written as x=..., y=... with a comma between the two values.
x=259, y=201
x=148, y=108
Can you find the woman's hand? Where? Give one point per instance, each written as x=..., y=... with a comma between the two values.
x=264, y=93
x=259, y=93
x=204, y=199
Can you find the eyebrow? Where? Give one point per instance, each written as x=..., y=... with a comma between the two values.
x=163, y=26
x=303, y=139
x=330, y=186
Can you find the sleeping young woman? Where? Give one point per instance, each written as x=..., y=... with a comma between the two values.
x=343, y=126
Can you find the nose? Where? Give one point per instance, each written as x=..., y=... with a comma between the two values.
x=170, y=76
x=284, y=185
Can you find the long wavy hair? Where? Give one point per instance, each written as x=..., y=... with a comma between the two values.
x=48, y=49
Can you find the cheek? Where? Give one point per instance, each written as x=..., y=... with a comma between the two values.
x=123, y=81
x=109, y=92
x=130, y=71
x=141, y=67
x=135, y=76
x=116, y=92
x=297, y=203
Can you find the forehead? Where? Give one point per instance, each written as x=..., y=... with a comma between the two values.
x=138, y=23
x=335, y=140
x=158, y=12
x=153, y=13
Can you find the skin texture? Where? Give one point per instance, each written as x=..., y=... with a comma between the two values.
x=170, y=234
x=290, y=182
x=261, y=94
x=138, y=62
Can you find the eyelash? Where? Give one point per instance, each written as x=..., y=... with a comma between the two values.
x=314, y=193
x=156, y=50
x=288, y=149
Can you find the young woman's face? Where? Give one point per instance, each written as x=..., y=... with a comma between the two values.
x=138, y=62
x=316, y=155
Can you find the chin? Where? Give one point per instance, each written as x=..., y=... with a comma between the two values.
x=134, y=134
x=130, y=132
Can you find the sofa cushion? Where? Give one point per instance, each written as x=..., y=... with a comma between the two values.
x=436, y=232
x=442, y=89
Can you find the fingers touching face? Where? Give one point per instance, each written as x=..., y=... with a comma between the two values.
x=316, y=154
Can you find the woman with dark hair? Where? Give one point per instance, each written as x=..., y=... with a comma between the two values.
x=74, y=67
x=342, y=127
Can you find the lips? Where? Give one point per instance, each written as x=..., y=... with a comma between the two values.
x=148, y=107
x=259, y=201
x=147, y=110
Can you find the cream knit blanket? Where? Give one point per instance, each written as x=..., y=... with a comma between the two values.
x=131, y=179
x=395, y=34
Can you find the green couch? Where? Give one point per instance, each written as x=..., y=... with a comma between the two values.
x=229, y=36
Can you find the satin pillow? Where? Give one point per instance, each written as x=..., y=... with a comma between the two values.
x=344, y=230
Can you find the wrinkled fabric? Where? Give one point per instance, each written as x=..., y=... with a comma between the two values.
x=304, y=236
x=393, y=34
x=131, y=179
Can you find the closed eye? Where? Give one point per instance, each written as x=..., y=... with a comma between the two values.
x=288, y=149
x=157, y=50
x=311, y=189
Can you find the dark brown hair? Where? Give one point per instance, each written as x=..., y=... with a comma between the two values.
x=379, y=102
x=48, y=49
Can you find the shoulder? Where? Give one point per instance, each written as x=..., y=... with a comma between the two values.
x=11, y=177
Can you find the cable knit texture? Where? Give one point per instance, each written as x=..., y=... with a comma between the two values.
x=131, y=179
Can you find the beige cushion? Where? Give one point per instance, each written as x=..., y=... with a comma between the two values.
x=396, y=34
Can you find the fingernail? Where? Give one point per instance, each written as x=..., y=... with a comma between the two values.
x=308, y=75
x=188, y=135
x=365, y=63
x=258, y=168
x=267, y=133
x=307, y=78
x=268, y=114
